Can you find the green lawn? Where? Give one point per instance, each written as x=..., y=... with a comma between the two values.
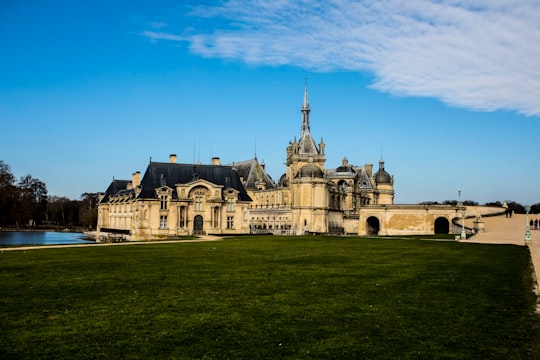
x=270, y=297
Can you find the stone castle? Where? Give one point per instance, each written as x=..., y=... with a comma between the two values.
x=173, y=199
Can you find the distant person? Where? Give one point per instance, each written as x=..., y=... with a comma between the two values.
x=536, y=224
x=531, y=224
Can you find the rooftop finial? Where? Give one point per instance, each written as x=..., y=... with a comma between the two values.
x=305, y=105
x=305, y=110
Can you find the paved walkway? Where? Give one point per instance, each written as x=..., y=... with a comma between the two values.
x=503, y=230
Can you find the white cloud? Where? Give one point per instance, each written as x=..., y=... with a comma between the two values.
x=476, y=54
x=158, y=25
x=154, y=36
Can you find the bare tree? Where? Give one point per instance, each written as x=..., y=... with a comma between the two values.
x=7, y=195
x=88, y=210
x=32, y=201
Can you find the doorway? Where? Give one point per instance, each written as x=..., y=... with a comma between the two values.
x=372, y=226
x=198, y=224
x=442, y=226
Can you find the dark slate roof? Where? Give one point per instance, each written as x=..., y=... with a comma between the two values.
x=382, y=177
x=114, y=188
x=252, y=172
x=345, y=167
x=310, y=170
x=307, y=145
x=363, y=178
x=284, y=181
x=160, y=174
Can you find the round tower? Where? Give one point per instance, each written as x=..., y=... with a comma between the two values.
x=384, y=183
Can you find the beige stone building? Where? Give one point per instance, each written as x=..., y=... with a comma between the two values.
x=173, y=199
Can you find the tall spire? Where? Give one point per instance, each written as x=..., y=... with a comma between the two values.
x=305, y=111
x=306, y=143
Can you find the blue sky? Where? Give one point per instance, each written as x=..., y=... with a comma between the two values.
x=448, y=91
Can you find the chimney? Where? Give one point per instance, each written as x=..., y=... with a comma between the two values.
x=136, y=179
x=216, y=161
x=369, y=169
x=172, y=158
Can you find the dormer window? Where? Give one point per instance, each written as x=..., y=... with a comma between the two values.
x=164, y=195
x=164, y=201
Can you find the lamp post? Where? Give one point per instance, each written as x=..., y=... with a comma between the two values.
x=527, y=228
x=463, y=234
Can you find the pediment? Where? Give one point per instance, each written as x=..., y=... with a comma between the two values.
x=198, y=182
x=164, y=190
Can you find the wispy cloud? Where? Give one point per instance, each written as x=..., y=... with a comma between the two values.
x=476, y=54
x=158, y=25
x=154, y=36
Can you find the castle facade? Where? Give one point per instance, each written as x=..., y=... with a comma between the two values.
x=173, y=199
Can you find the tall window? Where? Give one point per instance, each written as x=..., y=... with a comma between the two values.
x=230, y=204
x=230, y=222
x=181, y=216
x=198, y=203
x=163, y=222
x=216, y=217
x=163, y=202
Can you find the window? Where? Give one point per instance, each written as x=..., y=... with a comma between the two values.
x=230, y=222
x=198, y=194
x=163, y=202
x=163, y=222
x=198, y=203
x=230, y=204
x=181, y=216
x=216, y=217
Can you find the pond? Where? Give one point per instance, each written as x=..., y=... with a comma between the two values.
x=41, y=238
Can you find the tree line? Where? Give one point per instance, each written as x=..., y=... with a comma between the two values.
x=25, y=203
x=517, y=208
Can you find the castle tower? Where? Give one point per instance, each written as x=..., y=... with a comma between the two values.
x=305, y=172
x=384, y=184
x=305, y=151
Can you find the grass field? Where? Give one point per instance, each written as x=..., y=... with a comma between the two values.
x=270, y=297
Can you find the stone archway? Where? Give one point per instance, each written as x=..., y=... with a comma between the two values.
x=372, y=226
x=442, y=225
x=198, y=225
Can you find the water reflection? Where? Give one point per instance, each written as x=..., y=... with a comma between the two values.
x=41, y=238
